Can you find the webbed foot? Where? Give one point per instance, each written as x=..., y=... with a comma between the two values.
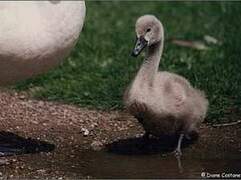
x=177, y=151
x=146, y=136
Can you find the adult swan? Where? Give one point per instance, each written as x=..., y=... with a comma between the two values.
x=36, y=35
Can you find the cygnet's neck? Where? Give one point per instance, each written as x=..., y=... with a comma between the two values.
x=150, y=66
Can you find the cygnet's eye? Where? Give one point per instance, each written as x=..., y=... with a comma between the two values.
x=148, y=30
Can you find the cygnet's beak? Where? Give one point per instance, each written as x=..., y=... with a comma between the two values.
x=141, y=43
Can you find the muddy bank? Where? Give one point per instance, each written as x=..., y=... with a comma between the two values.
x=63, y=141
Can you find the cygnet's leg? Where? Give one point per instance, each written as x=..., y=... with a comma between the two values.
x=178, y=151
x=138, y=108
x=141, y=109
x=146, y=136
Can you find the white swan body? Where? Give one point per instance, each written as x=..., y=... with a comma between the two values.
x=36, y=36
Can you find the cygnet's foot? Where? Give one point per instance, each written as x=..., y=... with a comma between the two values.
x=177, y=152
x=146, y=136
x=179, y=163
x=178, y=155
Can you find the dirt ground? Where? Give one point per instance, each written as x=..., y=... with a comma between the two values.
x=51, y=133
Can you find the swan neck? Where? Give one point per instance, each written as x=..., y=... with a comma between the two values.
x=151, y=63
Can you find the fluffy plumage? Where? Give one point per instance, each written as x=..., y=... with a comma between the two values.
x=163, y=102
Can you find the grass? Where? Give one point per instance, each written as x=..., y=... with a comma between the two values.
x=100, y=67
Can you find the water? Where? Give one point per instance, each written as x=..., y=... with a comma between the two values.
x=135, y=158
x=106, y=165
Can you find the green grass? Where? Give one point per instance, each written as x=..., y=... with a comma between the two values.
x=100, y=67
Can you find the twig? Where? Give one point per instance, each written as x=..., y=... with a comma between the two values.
x=227, y=124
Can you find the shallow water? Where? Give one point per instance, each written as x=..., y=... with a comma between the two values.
x=128, y=158
x=106, y=165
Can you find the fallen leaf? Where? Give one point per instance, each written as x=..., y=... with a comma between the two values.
x=191, y=44
x=210, y=39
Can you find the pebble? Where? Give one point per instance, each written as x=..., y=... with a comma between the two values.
x=4, y=162
x=41, y=171
x=85, y=131
x=139, y=135
x=22, y=97
x=35, y=122
x=41, y=103
x=96, y=145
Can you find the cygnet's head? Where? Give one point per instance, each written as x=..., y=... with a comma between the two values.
x=149, y=31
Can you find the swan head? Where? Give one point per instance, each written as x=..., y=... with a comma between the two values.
x=149, y=31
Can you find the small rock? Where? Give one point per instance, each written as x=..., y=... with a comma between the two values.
x=96, y=145
x=93, y=125
x=35, y=122
x=139, y=135
x=85, y=131
x=4, y=162
x=41, y=103
x=22, y=97
x=41, y=171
